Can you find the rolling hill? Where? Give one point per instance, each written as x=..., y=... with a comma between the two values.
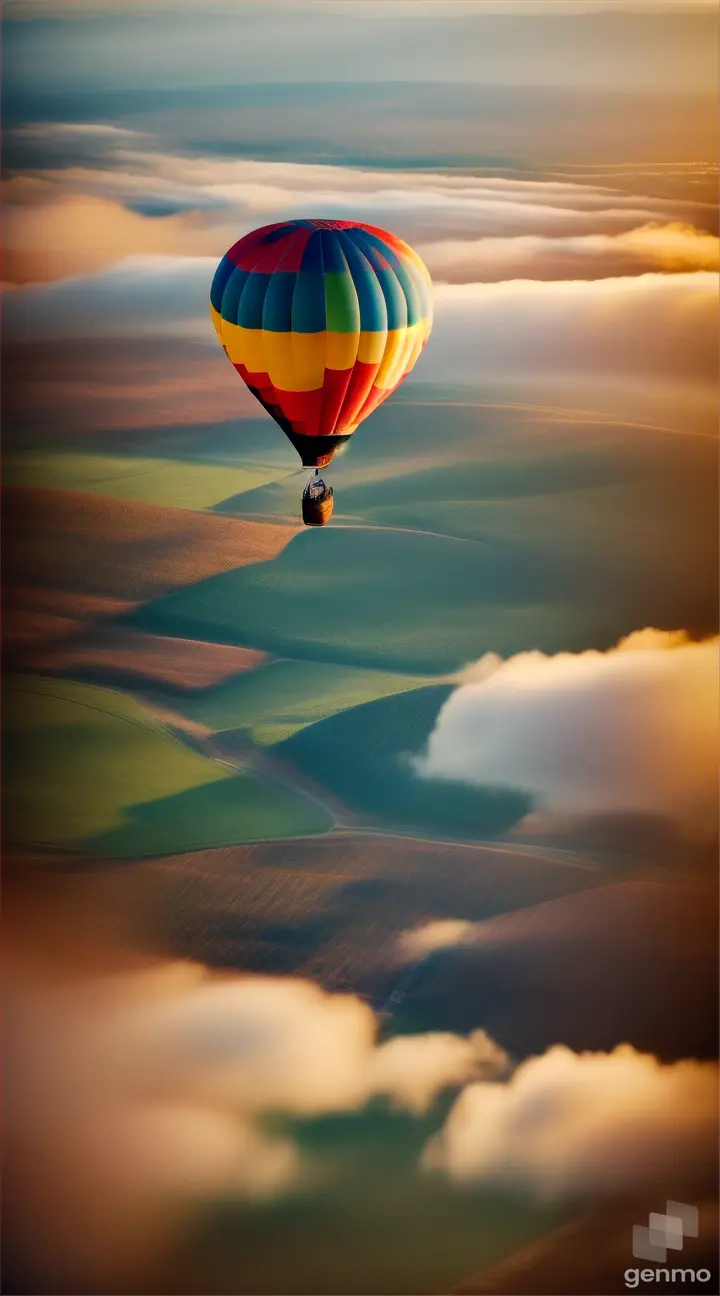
x=171, y=483
x=439, y=602
x=630, y=961
x=113, y=654
x=590, y=1254
x=330, y=907
x=92, y=544
x=363, y=756
x=89, y=769
x=286, y=696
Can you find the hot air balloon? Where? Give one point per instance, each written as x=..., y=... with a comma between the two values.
x=322, y=319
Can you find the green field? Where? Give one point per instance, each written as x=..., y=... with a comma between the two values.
x=172, y=482
x=424, y=568
x=243, y=807
x=389, y=600
x=275, y=701
x=517, y=530
x=363, y=756
x=422, y=492
x=367, y=1221
x=277, y=499
x=611, y=522
x=89, y=768
x=476, y=480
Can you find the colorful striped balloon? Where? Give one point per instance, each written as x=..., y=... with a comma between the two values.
x=322, y=319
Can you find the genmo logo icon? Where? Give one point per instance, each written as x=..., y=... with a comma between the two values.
x=665, y=1232
x=661, y=1234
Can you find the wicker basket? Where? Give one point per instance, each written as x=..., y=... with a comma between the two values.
x=316, y=512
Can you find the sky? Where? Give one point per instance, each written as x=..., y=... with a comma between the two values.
x=190, y=45
x=554, y=164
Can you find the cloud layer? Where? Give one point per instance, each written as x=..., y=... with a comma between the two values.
x=630, y=730
x=120, y=198
x=671, y=248
x=635, y=327
x=532, y=276
x=79, y=233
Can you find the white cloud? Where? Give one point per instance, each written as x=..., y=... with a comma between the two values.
x=443, y=933
x=42, y=131
x=570, y=1123
x=632, y=729
x=80, y=235
x=673, y=247
x=151, y=296
x=647, y=325
x=412, y=1069
x=134, y=171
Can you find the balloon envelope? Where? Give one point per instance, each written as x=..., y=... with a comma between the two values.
x=322, y=320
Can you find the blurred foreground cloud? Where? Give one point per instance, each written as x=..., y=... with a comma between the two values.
x=570, y=1123
x=139, y=1090
x=633, y=729
x=135, y=1094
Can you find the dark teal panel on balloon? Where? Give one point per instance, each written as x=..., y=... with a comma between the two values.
x=308, y=309
x=277, y=315
x=252, y=301
x=365, y=240
x=397, y=310
x=412, y=297
x=232, y=294
x=222, y=274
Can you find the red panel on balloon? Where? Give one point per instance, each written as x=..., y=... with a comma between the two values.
x=284, y=254
x=335, y=389
x=301, y=409
x=243, y=254
x=359, y=387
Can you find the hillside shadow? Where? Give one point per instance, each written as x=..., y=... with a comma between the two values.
x=224, y=813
